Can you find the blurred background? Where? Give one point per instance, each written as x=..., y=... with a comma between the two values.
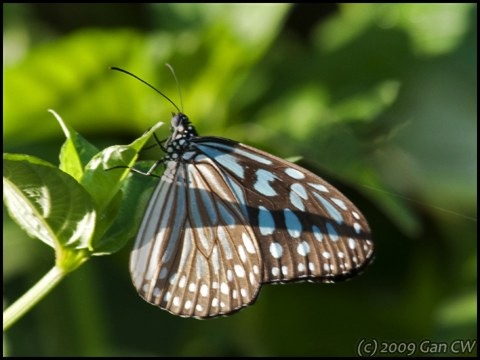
x=381, y=100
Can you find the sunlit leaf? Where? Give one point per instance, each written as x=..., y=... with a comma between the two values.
x=47, y=203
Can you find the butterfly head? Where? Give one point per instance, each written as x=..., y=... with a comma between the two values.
x=181, y=127
x=182, y=130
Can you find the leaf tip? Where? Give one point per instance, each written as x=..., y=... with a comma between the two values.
x=61, y=122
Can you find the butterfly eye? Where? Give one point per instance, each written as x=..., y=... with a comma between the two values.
x=176, y=121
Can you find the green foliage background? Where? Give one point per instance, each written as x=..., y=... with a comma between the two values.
x=379, y=99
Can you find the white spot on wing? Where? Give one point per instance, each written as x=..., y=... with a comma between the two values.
x=241, y=253
x=204, y=290
x=224, y=241
x=215, y=261
x=239, y=271
x=351, y=243
x=224, y=289
x=303, y=248
x=276, y=250
x=248, y=243
x=275, y=271
x=357, y=227
x=252, y=279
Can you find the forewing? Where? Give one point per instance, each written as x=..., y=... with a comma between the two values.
x=306, y=228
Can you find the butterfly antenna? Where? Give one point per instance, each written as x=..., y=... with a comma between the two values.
x=178, y=84
x=151, y=86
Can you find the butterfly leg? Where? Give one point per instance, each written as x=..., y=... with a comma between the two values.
x=148, y=173
x=158, y=143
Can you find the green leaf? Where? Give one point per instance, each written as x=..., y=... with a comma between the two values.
x=137, y=191
x=76, y=152
x=47, y=203
x=104, y=178
x=103, y=185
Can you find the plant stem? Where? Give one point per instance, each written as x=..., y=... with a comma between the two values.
x=32, y=296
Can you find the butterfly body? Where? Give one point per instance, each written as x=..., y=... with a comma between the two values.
x=226, y=218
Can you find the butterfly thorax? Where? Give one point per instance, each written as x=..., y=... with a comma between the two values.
x=178, y=142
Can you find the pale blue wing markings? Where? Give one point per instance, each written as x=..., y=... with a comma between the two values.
x=262, y=185
x=297, y=193
x=300, y=190
x=200, y=200
x=238, y=193
x=296, y=201
x=317, y=233
x=332, y=233
x=226, y=215
x=240, y=151
x=223, y=158
x=340, y=203
x=294, y=173
x=221, y=185
x=319, y=187
x=163, y=220
x=293, y=224
x=331, y=210
x=176, y=225
x=266, y=224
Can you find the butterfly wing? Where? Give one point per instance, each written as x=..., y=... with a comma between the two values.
x=306, y=229
x=184, y=259
x=227, y=217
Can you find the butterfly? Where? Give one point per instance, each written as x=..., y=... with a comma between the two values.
x=226, y=218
